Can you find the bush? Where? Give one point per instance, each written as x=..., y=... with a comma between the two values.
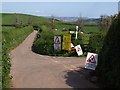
x=44, y=41
x=108, y=60
x=90, y=42
x=96, y=42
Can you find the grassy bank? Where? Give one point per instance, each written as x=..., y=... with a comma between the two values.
x=11, y=37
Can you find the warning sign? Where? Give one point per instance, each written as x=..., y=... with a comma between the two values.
x=91, y=61
x=57, y=42
x=66, y=45
x=67, y=38
x=79, y=50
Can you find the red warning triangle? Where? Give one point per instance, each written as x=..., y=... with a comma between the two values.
x=57, y=41
x=91, y=59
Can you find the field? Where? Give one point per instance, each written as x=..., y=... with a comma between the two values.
x=10, y=19
x=63, y=26
x=89, y=29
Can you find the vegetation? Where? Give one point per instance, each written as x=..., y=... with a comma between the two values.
x=11, y=37
x=109, y=63
x=44, y=43
x=91, y=29
x=105, y=22
x=23, y=19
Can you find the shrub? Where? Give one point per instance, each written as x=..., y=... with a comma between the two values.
x=44, y=41
x=96, y=42
x=108, y=60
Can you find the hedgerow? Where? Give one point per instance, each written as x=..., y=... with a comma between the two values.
x=108, y=68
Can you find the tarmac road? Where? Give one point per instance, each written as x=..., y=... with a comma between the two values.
x=31, y=70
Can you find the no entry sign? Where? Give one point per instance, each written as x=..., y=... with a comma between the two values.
x=91, y=61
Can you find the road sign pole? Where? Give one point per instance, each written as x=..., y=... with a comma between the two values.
x=76, y=36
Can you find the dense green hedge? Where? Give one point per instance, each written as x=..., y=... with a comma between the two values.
x=96, y=42
x=90, y=42
x=11, y=37
x=108, y=68
x=43, y=41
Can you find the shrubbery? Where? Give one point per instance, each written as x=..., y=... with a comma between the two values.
x=90, y=42
x=96, y=42
x=108, y=68
x=44, y=41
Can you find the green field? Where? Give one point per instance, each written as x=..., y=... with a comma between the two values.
x=89, y=29
x=63, y=26
x=10, y=19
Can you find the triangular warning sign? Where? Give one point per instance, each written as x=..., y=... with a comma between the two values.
x=57, y=41
x=91, y=59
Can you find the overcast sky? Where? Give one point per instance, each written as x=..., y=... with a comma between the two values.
x=64, y=9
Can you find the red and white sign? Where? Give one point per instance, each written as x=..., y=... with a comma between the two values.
x=79, y=50
x=91, y=61
x=57, y=42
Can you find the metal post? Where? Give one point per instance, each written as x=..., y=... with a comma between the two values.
x=76, y=32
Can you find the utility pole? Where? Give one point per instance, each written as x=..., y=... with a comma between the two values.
x=76, y=36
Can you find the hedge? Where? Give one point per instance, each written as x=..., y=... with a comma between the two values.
x=108, y=69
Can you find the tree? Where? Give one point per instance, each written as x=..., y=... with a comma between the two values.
x=108, y=68
x=30, y=20
x=18, y=23
x=80, y=22
x=105, y=22
x=52, y=22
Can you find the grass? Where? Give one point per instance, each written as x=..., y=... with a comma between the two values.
x=89, y=29
x=10, y=19
x=12, y=37
x=65, y=26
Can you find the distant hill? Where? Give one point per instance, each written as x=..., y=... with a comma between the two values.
x=10, y=19
x=74, y=19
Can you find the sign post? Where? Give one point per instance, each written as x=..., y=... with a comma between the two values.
x=76, y=32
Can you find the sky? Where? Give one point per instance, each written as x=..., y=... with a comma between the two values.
x=62, y=9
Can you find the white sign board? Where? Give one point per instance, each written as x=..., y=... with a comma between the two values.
x=57, y=42
x=72, y=32
x=79, y=50
x=91, y=61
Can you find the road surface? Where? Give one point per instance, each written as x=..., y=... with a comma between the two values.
x=31, y=70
